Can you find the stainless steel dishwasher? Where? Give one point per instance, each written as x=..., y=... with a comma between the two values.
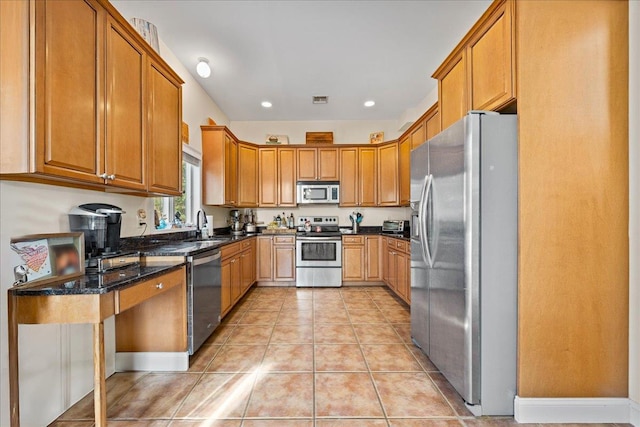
x=203, y=296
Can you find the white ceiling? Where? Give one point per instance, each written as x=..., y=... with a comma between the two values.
x=288, y=51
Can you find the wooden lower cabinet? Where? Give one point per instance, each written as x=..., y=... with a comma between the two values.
x=238, y=272
x=361, y=259
x=397, y=267
x=276, y=259
x=139, y=328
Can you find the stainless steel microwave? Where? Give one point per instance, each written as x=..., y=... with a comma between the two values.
x=318, y=192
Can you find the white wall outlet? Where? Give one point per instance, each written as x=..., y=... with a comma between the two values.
x=142, y=217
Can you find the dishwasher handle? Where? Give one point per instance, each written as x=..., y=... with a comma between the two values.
x=205, y=259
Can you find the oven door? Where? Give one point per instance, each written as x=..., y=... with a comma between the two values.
x=318, y=252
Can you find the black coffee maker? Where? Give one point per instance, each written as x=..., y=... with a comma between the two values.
x=101, y=225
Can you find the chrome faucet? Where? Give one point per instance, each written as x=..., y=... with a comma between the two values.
x=199, y=227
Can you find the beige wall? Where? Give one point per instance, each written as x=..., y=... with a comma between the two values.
x=371, y=216
x=344, y=131
x=634, y=203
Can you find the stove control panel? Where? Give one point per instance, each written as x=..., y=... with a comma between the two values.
x=319, y=220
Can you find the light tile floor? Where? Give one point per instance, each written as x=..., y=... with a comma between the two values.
x=295, y=357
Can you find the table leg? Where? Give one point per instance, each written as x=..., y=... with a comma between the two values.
x=14, y=392
x=99, y=385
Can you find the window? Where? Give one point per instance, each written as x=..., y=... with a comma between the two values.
x=182, y=210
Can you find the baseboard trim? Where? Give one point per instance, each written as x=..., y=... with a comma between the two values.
x=152, y=361
x=572, y=410
x=634, y=413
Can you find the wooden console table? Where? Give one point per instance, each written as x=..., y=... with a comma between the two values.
x=85, y=300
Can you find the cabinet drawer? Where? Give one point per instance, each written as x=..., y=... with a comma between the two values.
x=229, y=250
x=401, y=245
x=353, y=240
x=136, y=294
x=246, y=243
x=284, y=240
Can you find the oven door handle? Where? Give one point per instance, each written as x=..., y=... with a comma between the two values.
x=326, y=239
x=206, y=259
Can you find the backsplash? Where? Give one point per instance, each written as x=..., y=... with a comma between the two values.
x=372, y=217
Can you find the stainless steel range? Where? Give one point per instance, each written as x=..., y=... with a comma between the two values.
x=319, y=253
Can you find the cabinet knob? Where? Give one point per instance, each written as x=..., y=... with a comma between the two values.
x=160, y=285
x=111, y=177
x=103, y=175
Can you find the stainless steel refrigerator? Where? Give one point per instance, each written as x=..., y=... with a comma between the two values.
x=464, y=257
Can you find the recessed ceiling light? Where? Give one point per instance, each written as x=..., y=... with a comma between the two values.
x=203, y=69
x=369, y=103
x=266, y=104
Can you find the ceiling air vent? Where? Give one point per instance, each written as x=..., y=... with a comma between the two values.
x=320, y=99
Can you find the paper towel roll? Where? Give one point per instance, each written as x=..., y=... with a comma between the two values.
x=210, y=225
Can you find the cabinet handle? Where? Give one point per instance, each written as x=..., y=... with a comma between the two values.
x=160, y=285
x=103, y=176
x=111, y=177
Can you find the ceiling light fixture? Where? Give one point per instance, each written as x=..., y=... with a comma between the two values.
x=266, y=104
x=369, y=103
x=203, y=68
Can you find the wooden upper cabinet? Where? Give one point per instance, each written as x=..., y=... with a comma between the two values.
x=287, y=195
x=106, y=108
x=247, y=175
x=452, y=92
x=230, y=170
x=433, y=124
x=318, y=164
x=126, y=76
x=367, y=174
x=277, y=177
x=219, y=166
x=491, y=61
x=69, y=94
x=268, y=176
x=404, y=164
x=165, y=127
x=418, y=135
x=388, y=175
x=349, y=176
x=358, y=173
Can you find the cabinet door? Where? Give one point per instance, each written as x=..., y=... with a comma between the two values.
x=268, y=172
x=349, y=176
x=307, y=164
x=328, y=164
x=490, y=55
x=247, y=267
x=165, y=126
x=385, y=259
x=402, y=280
x=404, y=163
x=367, y=176
x=284, y=263
x=433, y=125
x=392, y=270
x=236, y=278
x=452, y=97
x=353, y=263
x=418, y=136
x=69, y=104
x=373, y=259
x=225, y=291
x=388, y=175
x=230, y=171
x=247, y=176
x=287, y=177
x=126, y=85
x=265, y=259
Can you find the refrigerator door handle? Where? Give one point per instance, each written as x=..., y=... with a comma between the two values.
x=422, y=212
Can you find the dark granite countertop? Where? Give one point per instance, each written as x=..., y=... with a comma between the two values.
x=96, y=283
